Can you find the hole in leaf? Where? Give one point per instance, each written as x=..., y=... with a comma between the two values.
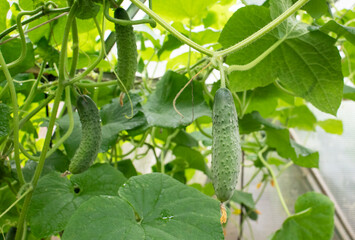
x=76, y=189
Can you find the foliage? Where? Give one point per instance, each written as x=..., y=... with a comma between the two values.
x=277, y=59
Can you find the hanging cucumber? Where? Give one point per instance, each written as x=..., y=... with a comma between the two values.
x=90, y=135
x=126, y=52
x=226, y=150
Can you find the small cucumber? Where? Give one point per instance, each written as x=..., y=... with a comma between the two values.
x=126, y=51
x=226, y=150
x=90, y=135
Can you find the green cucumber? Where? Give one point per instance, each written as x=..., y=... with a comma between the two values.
x=226, y=150
x=90, y=135
x=126, y=51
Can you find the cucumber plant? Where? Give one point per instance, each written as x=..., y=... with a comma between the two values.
x=274, y=61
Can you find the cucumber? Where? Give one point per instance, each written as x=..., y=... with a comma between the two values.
x=126, y=51
x=90, y=135
x=226, y=150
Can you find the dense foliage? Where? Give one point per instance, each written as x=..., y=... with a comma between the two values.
x=279, y=60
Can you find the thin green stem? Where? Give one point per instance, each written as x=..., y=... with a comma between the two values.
x=75, y=36
x=58, y=95
x=256, y=60
x=97, y=61
x=4, y=90
x=165, y=149
x=252, y=38
x=201, y=129
x=22, y=37
x=261, y=192
x=223, y=75
x=172, y=30
x=28, y=155
x=15, y=109
x=71, y=123
x=236, y=97
x=127, y=22
x=33, y=90
x=279, y=86
x=96, y=84
x=32, y=18
x=260, y=154
x=256, y=172
x=99, y=80
x=17, y=200
x=287, y=165
x=189, y=54
x=36, y=110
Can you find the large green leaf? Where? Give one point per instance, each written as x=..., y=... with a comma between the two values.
x=7, y=197
x=116, y=118
x=333, y=126
x=56, y=198
x=287, y=148
x=313, y=219
x=159, y=108
x=187, y=157
x=11, y=51
x=340, y=30
x=305, y=62
x=58, y=161
x=316, y=8
x=152, y=206
x=72, y=143
x=244, y=198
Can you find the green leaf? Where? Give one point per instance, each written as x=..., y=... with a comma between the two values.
x=332, y=126
x=4, y=120
x=189, y=158
x=206, y=189
x=298, y=117
x=87, y=9
x=287, y=148
x=178, y=10
x=41, y=32
x=4, y=8
x=316, y=8
x=56, y=198
x=265, y=99
x=243, y=198
x=152, y=206
x=11, y=51
x=73, y=141
x=348, y=61
x=127, y=168
x=7, y=197
x=58, y=161
x=313, y=219
x=115, y=119
x=305, y=62
x=349, y=92
x=182, y=138
x=26, y=4
x=159, y=107
x=47, y=52
x=340, y=30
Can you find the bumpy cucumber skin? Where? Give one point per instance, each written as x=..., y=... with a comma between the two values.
x=226, y=150
x=90, y=135
x=126, y=51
